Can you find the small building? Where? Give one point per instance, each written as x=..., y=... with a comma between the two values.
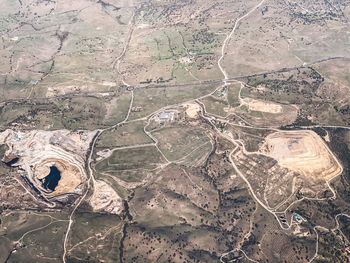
x=185, y=60
x=166, y=116
x=298, y=218
x=221, y=93
x=136, y=109
x=261, y=88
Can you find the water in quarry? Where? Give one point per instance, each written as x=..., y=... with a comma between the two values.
x=51, y=180
x=13, y=161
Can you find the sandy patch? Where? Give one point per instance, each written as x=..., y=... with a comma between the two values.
x=303, y=152
x=109, y=83
x=62, y=90
x=141, y=26
x=326, y=137
x=105, y=199
x=104, y=154
x=258, y=105
x=192, y=110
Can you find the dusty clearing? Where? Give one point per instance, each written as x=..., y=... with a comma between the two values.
x=258, y=105
x=192, y=110
x=303, y=152
x=56, y=91
x=105, y=199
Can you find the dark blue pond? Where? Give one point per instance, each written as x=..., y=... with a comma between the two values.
x=51, y=180
x=13, y=161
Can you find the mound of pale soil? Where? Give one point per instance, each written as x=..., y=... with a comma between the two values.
x=303, y=152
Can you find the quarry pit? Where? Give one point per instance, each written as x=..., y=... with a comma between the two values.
x=53, y=161
x=303, y=152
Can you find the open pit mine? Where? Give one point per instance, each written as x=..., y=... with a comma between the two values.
x=52, y=162
x=303, y=152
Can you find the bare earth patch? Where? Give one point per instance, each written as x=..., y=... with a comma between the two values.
x=192, y=110
x=56, y=91
x=105, y=198
x=303, y=152
x=258, y=105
